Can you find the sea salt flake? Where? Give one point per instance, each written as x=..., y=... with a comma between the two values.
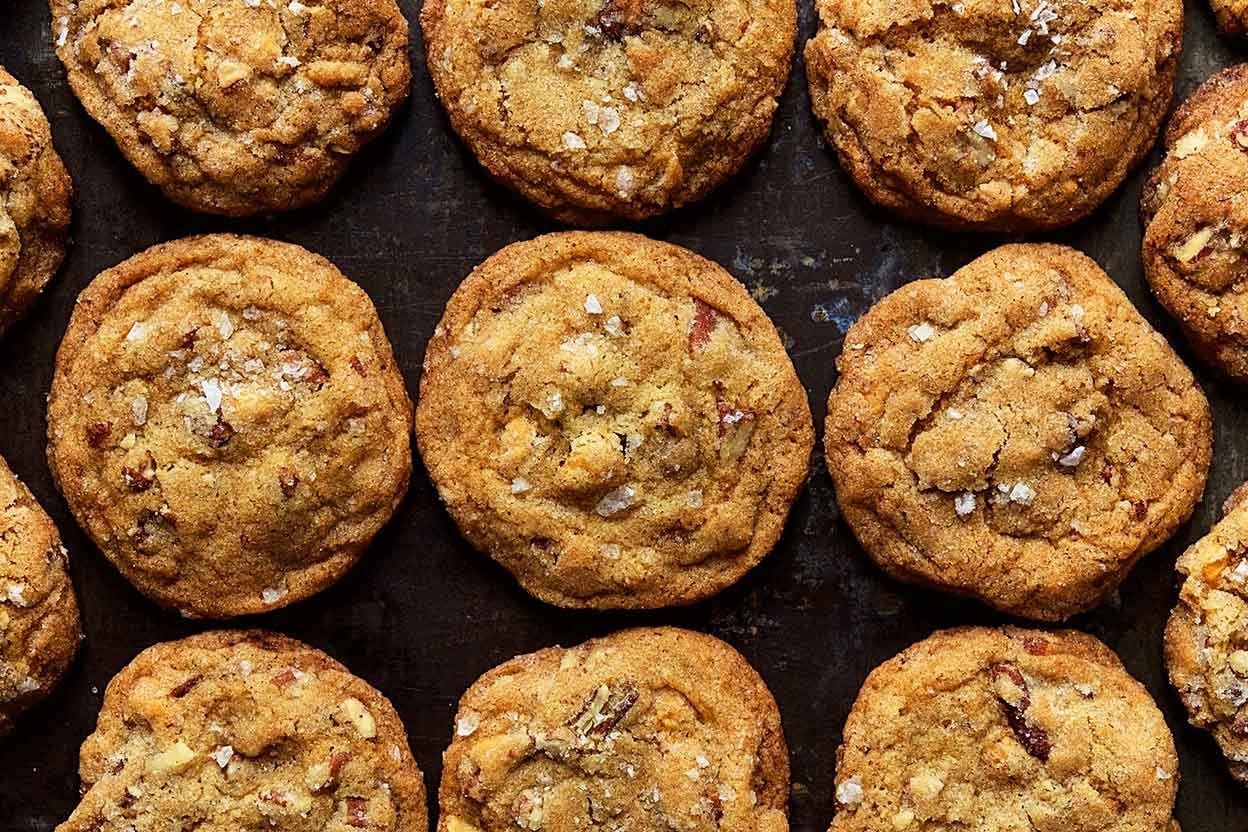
x=624, y=181
x=520, y=485
x=573, y=141
x=1022, y=493
x=212, y=393
x=223, y=755
x=592, y=306
x=694, y=498
x=849, y=792
x=138, y=411
x=964, y=504
x=137, y=332
x=1031, y=96
x=921, y=332
x=271, y=595
x=1072, y=459
x=983, y=128
x=16, y=595
x=614, y=325
x=610, y=551
x=616, y=500
x=467, y=724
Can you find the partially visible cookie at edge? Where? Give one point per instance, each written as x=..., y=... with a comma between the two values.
x=1017, y=433
x=1232, y=17
x=650, y=730
x=993, y=115
x=227, y=422
x=1196, y=221
x=1006, y=729
x=245, y=731
x=613, y=419
x=1207, y=635
x=231, y=107
x=35, y=195
x=600, y=110
x=39, y=623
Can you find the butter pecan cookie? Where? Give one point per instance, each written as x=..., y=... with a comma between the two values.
x=39, y=625
x=1207, y=636
x=613, y=419
x=1007, y=730
x=35, y=196
x=245, y=731
x=599, y=110
x=649, y=730
x=1005, y=115
x=228, y=424
x=1016, y=432
x=1196, y=222
x=236, y=107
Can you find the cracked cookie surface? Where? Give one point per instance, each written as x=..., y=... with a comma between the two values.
x=607, y=109
x=234, y=107
x=1010, y=730
x=1196, y=221
x=1207, y=636
x=649, y=730
x=227, y=423
x=1017, y=433
x=1007, y=115
x=35, y=196
x=245, y=731
x=39, y=624
x=613, y=419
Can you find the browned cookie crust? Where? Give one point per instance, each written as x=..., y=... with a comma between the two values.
x=605, y=109
x=1017, y=433
x=1196, y=223
x=1006, y=115
x=613, y=419
x=39, y=626
x=237, y=107
x=1207, y=637
x=35, y=194
x=1006, y=730
x=245, y=731
x=227, y=423
x=647, y=730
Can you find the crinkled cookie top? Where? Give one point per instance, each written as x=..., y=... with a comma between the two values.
x=1016, y=432
x=245, y=731
x=613, y=419
x=649, y=730
x=227, y=422
x=236, y=106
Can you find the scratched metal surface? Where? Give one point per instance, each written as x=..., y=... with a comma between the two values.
x=423, y=615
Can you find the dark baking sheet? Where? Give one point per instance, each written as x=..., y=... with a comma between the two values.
x=423, y=615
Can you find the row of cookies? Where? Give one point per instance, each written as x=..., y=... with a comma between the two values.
x=980, y=114
x=652, y=729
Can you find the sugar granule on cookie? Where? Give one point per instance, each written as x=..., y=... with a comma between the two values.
x=613, y=419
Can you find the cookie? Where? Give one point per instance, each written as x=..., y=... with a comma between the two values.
x=612, y=419
x=39, y=625
x=237, y=107
x=1207, y=636
x=1017, y=433
x=35, y=194
x=227, y=423
x=649, y=730
x=1232, y=17
x=1005, y=729
x=993, y=115
x=601, y=110
x=1196, y=223
x=245, y=731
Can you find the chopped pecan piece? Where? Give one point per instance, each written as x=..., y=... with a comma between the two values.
x=357, y=812
x=284, y=679
x=736, y=427
x=617, y=707
x=98, y=433
x=358, y=366
x=1012, y=692
x=704, y=320
x=288, y=480
x=221, y=433
x=1239, y=134
x=336, y=761
x=143, y=478
x=618, y=18
x=186, y=686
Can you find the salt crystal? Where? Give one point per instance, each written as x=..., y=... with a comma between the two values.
x=592, y=306
x=616, y=500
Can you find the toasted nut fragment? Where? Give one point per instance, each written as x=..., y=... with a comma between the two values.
x=174, y=758
x=1193, y=246
x=360, y=717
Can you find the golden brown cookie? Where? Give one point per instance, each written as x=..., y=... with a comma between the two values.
x=237, y=107
x=1017, y=433
x=1207, y=636
x=599, y=110
x=35, y=194
x=648, y=730
x=1006, y=730
x=1196, y=224
x=245, y=731
x=39, y=625
x=1004, y=115
x=227, y=423
x=613, y=419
